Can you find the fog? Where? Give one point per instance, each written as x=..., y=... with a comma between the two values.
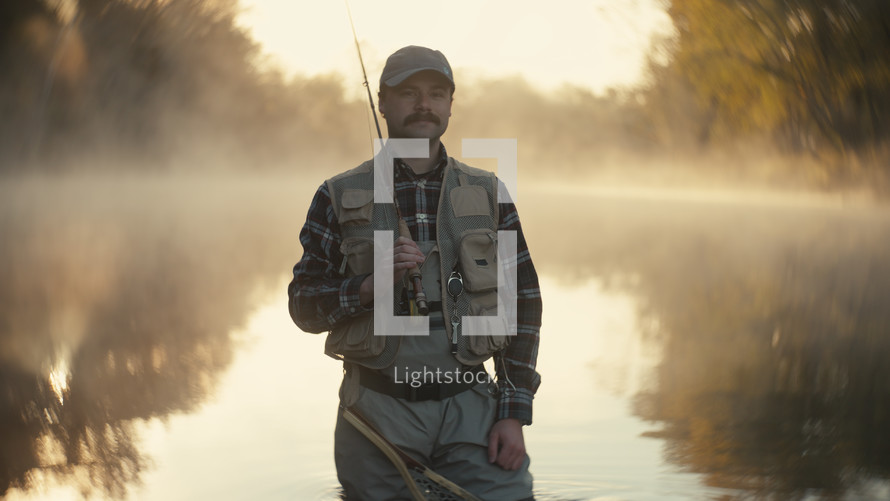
x=153, y=183
x=125, y=86
x=772, y=324
x=119, y=297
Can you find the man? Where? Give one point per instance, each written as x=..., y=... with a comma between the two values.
x=414, y=389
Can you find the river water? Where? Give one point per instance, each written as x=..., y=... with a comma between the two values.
x=696, y=345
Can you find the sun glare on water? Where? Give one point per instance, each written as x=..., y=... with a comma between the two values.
x=58, y=379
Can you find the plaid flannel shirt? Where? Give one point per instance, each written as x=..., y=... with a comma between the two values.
x=320, y=297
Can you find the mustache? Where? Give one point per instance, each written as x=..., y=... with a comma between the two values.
x=416, y=117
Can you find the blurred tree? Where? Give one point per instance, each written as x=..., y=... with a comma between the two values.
x=811, y=74
x=127, y=84
x=26, y=32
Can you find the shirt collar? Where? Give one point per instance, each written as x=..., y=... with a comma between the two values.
x=404, y=171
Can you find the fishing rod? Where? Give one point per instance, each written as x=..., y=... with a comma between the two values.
x=414, y=274
x=361, y=62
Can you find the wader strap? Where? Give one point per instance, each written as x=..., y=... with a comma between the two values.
x=375, y=381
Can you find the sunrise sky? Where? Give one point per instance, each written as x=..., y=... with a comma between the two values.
x=595, y=43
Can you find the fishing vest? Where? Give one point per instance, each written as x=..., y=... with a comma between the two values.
x=466, y=236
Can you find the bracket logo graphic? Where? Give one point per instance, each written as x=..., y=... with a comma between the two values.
x=388, y=324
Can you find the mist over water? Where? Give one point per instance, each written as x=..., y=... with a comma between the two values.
x=122, y=296
x=119, y=297
x=772, y=326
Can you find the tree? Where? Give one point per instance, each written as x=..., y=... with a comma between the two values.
x=811, y=74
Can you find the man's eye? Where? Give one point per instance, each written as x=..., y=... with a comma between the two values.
x=409, y=93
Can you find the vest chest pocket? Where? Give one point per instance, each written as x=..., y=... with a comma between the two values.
x=470, y=201
x=477, y=259
x=357, y=207
x=492, y=340
x=358, y=255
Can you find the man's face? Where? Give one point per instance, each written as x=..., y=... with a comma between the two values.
x=419, y=107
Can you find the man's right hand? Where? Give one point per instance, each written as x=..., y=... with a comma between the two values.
x=406, y=255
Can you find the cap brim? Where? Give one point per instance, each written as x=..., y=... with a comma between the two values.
x=401, y=77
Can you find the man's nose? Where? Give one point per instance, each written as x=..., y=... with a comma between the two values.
x=423, y=101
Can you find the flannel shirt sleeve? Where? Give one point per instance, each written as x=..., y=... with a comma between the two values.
x=520, y=357
x=319, y=296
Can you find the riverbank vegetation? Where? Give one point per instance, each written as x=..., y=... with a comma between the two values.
x=789, y=93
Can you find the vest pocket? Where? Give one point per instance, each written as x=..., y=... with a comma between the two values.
x=477, y=259
x=355, y=340
x=470, y=201
x=357, y=207
x=358, y=255
x=493, y=340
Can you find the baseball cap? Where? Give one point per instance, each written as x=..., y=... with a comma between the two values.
x=411, y=59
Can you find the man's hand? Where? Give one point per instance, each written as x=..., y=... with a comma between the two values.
x=406, y=255
x=506, y=445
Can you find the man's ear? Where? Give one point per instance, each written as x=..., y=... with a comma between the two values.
x=381, y=99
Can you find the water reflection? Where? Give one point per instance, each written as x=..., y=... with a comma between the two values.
x=117, y=299
x=774, y=330
x=759, y=345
